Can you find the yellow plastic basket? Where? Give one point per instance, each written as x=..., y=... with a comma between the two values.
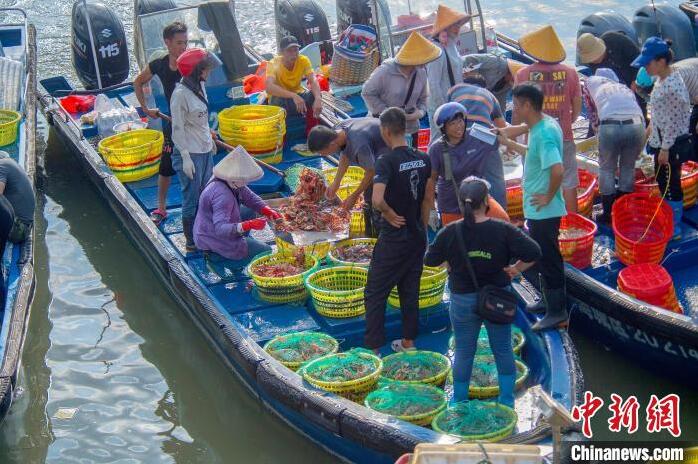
x=288, y=289
x=351, y=180
x=270, y=346
x=318, y=250
x=490, y=392
x=258, y=128
x=355, y=390
x=338, y=291
x=349, y=242
x=132, y=155
x=423, y=419
x=431, y=288
x=9, y=123
x=488, y=437
x=357, y=225
x=404, y=357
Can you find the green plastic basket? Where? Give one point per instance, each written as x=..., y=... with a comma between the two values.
x=412, y=402
x=338, y=291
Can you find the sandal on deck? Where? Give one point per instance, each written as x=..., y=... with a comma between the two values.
x=157, y=216
x=397, y=346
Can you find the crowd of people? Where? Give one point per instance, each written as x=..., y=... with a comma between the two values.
x=458, y=186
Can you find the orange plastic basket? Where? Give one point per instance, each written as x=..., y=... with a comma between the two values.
x=640, y=238
x=689, y=183
x=515, y=201
x=586, y=192
x=577, y=250
x=650, y=283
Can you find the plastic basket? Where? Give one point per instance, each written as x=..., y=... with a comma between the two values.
x=637, y=239
x=355, y=390
x=586, y=192
x=431, y=288
x=351, y=180
x=260, y=129
x=9, y=123
x=423, y=137
x=346, y=243
x=318, y=250
x=577, y=251
x=338, y=291
x=357, y=225
x=515, y=201
x=288, y=289
x=413, y=393
x=132, y=155
x=506, y=413
x=650, y=283
x=412, y=359
x=689, y=183
x=355, y=55
x=479, y=392
x=297, y=338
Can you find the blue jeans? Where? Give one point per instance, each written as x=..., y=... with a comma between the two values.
x=619, y=147
x=192, y=188
x=493, y=172
x=466, y=329
x=226, y=268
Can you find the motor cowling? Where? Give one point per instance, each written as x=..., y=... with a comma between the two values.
x=669, y=22
x=360, y=12
x=109, y=43
x=303, y=19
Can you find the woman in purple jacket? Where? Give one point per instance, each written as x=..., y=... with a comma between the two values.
x=225, y=215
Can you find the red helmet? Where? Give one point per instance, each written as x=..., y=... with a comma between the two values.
x=196, y=59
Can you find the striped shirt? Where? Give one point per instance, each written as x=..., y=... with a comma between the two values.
x=688, y=69
x=482, y=106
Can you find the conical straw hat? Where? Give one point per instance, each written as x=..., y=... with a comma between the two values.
x=544, y=45
x=447, y=17
x=238, y=167
x=417, y=50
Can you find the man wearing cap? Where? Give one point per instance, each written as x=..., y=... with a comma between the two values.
x=499, y=73
x=563, y=97
x=402, y=82
x=360, y=142
x=447, y=70
x=284, y=76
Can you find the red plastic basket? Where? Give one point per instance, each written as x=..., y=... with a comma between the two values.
x=515, y=201
x=577, y=251
x=689, y=183
x=423, y=137
x=640, y=238
x=586, y=192
x=650, y=283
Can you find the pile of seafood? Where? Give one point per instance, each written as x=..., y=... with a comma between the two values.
x=282, y=269
x=572, y=233
x=359, y=253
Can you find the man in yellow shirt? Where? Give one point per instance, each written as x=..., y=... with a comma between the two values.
x=284, y=75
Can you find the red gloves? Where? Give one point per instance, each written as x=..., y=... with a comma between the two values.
x=256, y=224
x=270, y=213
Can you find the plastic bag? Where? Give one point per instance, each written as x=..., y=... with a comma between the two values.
x=103, y=104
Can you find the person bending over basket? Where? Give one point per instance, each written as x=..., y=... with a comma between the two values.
x=223, y=223
x=402, y=192
x=191, y=134
x=490, y=244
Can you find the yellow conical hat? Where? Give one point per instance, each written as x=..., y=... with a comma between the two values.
x=543, y=45
x=417, y=50
x=447, y=17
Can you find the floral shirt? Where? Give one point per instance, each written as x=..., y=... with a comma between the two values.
x=671, y=111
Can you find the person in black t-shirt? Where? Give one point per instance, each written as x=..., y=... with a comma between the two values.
x=165, y=68
x=402, y=192
x=491, y=245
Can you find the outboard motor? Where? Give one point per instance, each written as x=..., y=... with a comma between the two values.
x=150, y=35
x=670, y=23
x=359, y=12
x=598, y=23
x=303, y=19
x=94, y=23
x=691, y=10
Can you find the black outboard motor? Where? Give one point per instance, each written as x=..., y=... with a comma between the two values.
x=598, y=23
x=151, y=35
x=109, y=45
x=303, y=19
x=669, y=22
x=359, y=12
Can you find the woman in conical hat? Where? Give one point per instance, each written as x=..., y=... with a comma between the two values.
x=447, y=70
x=226, y=213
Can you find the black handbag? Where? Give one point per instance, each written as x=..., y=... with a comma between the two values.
x=682, y=149
x=494, y=304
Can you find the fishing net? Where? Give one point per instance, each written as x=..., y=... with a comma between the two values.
x=414, y=402
x=296, y=348
x=476, y=420
x=483, y=341
x=341, y=367
x=484, y=381
x=417, y=366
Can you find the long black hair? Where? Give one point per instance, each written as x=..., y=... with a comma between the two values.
x=473, y=195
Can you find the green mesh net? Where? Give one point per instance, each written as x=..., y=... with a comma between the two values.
x=342, y=367
x=406, y=399
x=476, y=418
x=300, y=347
x=485, y=371
x=483, y=341
x=414, y=365
x=293, y=175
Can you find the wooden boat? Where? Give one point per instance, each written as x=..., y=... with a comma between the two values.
x=18, y=42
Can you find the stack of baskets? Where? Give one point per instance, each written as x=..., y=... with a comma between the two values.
x=351, y=180
x=133, y=155
x=642, y=225
x=355, y=55
x=431, y=288
x=289, y=289
x=586, y=192
x=650, y=283
x=689, y=183
x=423, y=137
x=577, y=240
x=338, y=291
x=260, y=129
x=329, y=373
x=515, y=200
x=9, y=123
x=294, y=349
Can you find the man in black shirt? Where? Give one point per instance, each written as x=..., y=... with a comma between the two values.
x=402, y=193
x=165, y=68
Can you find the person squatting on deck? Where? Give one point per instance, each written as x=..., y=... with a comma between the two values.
x=175, y=37
x=226, y=214
x=402, y=193
x=191, y=135
x=491, y=245
x=285, y=74
x=360, y=143
x=543, y=203
x=402, y=82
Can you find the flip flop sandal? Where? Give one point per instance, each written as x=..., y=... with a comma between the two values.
x=157, y=216
x=397, y=347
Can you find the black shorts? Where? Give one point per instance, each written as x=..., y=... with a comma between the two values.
x=166, y=169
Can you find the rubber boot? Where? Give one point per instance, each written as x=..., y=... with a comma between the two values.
x=541, y=305
x=460, y=392
x=557, y=310
x=607, y=203
x=188, y=228
x=506, y=390
x=677, y=210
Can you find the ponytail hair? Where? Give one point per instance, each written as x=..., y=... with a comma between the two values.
x=473, y=194
x=669, y=55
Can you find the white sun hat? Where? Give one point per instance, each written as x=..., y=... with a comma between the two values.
x=238, y=167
